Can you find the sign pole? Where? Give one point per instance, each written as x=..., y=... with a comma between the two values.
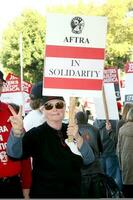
x=21, y=69
x=105, y=105
x=72, y=105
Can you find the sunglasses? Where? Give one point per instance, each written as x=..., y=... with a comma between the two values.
x=58, y=105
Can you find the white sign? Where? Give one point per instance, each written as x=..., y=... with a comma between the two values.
x=128, y=82
x=74, y=55
x=11, y=92
x=111, y=103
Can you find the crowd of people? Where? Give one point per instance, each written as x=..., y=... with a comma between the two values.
x=37, y=162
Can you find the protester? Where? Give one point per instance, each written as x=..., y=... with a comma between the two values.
x=56, y=170
x=35, y=117
x=108, y=158
x=14, y=175
x=95, y=184
x=91, y=135
x=125, y=154
x=120, y=123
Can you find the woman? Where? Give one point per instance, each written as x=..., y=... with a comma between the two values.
x=56, y=170
x=126, y=108
x=125, y=154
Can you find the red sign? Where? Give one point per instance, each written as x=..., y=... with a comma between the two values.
x=129, y=67
x=111, y=75
x=13, y=84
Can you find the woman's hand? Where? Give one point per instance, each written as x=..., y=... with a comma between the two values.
x=16, y=121
x=108, y=126
x=72, y=132
x=26, y=193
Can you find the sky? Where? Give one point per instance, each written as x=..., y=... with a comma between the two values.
x=9, y=9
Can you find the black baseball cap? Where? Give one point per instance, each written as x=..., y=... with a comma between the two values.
x=1, y=76
x=48, y=98
x=36, y=91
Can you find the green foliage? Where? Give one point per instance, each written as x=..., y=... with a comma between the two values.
x=120, y=33
x=119, y=45
x=32, y=26
x=119, y=41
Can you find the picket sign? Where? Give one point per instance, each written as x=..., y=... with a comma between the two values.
x=74, y=57
x=12, y=92
x=111, y=75
x=128, y=82
x=109, y=109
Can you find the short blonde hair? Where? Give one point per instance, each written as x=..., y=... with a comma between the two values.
x=35, y=104
x=126, y=108
x=129, y=117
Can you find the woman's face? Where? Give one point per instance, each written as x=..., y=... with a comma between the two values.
x=54, y=110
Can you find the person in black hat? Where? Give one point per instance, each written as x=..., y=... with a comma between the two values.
x=11, y=171
x=2, y=77
x=36, y=91
x=35, y=117
x=56, y=169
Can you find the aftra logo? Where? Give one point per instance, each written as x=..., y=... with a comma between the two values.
x=77, y=25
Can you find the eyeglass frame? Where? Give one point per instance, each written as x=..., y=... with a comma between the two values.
x=54, y=105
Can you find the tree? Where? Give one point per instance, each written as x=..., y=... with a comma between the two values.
x=119, y=45
x=119, y=42
x=32, y=26
x=120, y=32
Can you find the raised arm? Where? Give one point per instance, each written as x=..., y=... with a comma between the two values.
x=14, y=144
x=16, y=121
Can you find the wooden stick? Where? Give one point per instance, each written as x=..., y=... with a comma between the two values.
x=72, y=105
x=105, y=105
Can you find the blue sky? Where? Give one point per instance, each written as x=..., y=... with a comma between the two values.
x=12, y=8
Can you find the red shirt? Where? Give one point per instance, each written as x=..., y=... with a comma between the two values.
x=10, y=167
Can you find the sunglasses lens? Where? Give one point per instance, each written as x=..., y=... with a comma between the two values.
x=48, y=106
x=59, y=105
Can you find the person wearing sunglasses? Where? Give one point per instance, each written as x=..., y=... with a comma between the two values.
x=56, y=169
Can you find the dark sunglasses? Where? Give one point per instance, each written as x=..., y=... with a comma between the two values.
x=58, y=105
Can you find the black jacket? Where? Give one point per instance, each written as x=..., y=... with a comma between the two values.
x=56, y=170
x=92, y=136
x=109, y=139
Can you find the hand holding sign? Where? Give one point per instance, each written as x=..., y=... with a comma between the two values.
x=73, y=133
x=16, y=120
